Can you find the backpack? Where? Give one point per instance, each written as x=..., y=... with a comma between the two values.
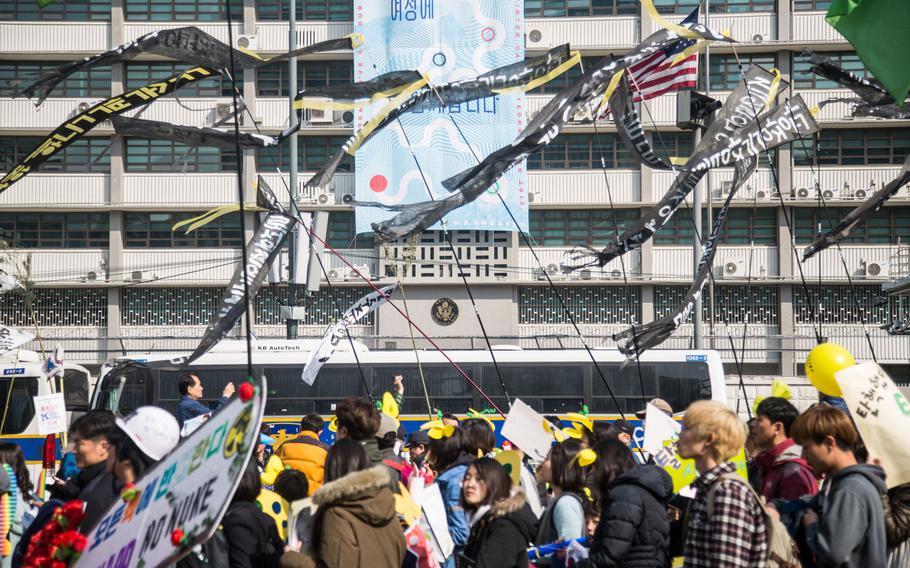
x=211, y=553
x=782, y=549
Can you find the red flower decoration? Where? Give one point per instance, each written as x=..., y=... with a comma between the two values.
x=177, y=537
x=246, y=391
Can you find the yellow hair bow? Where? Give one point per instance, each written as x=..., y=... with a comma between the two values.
x=779, y=389
x=437, y=430
x=558, y=435
x=481, y=416
x=588, y=494
x=586, y=457
x=576, y=418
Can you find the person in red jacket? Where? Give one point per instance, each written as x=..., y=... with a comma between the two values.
x=782, y=471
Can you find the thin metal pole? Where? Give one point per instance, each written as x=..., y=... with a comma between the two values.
x=707, y=179
x=697, y=338
x=292, y=169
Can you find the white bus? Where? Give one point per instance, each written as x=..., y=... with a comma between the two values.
x=21, y=378
x=552, y=381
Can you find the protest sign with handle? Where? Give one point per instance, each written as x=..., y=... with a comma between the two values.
x=187, y=491
x=881, y=413
x=527, y=429
x=50, y=410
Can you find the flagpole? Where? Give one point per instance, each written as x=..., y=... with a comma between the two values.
x=708, y=179
x=697, y=339
x=292, y=171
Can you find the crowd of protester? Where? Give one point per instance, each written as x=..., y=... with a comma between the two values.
x=812, y=496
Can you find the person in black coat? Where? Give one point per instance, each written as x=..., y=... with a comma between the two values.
x=502, y=524
x=252, y=536
x=634, y=531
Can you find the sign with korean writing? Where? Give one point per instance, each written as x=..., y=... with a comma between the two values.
x=446, y=41
x=190, y=489
x=50, y=410
x=882, y=415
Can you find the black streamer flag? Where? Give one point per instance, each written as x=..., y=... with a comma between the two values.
x=861, y=214
x=190, y=135
x=874, y=99
x=638, y=339
x=629, y=127
x=79, y=125
x=188, y=44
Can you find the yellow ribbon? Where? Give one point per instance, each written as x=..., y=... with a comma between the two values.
x=775, y=86
x=694, y=48
x=212, y=214
x=572, y=61
x=681, y=31
x=605, y=100
x=322, y=103
x=437, y=430
x=586, y=457
x=371, y=125
x=779, y=389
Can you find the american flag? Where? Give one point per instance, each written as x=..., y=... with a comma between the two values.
x=653, y=76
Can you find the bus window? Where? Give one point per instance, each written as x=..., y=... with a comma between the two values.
x=632, y=385
x=125, y=388
x=682, y=384
x=18, y=408
x=213, y=383
x=75, y=389
x=289, y=395
x=548, y=389
x=448, y=390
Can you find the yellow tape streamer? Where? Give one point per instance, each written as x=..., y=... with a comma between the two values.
x=370, y=126
x=574, y=60
x=681, y=31
x=694, y=48
x=212, y=214
x=322, y=103
x=577, y=418
x=678, y=160
x=605, y=100
x=357, y=40
x=775, y=86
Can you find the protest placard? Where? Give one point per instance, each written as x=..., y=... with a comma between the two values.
x=882, y=414
x=525, y=428
x=434, y=522
x=50, y=410
x=190, y=490
x=301, y=515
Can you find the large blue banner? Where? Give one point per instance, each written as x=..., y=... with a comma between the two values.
x=447, y=40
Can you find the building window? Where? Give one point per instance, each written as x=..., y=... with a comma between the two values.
x=853, y=147
x=717, y=6
x=595, y=227
x=94, y=82
x=890, y=225
x=141, y=74
x=54, y=230
x=341, y=233
x=739, y=304
x=589, y=304
x=272, y=81
x=810, y=5
x=322, y=309
x=170, y=306
x=318, y=10
x=724, y=70
x=579, y=8
x=803, y=78
x=743, y=226
x=167, y=156
x=560, y=82
x=831, y=304
x=153, y=230
x=54, y=307
x=674, y=144
x=89, y=154
x=312, y=153
x=182, y=10
x=583, y=152
x=71, y=10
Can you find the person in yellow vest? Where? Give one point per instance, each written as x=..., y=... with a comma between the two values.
x=306, y=453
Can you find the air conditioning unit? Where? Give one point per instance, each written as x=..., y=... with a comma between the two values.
x=325, y=199
x=82, y=107
x=761, y=38
x=343, y=118
x=831, y=193
x=860, y=194
x=136, y=275
x=733, y=269
x=552, y=269
x=616, y=273
x=584, y=114
x=334, y=274
x=319, y=116
x=584, y=274
x=533, y=196
x=351, y=273
x=347, y=199
x=223, y=112
x=246, y=43
x=538, y=38
x=762, y=194
x=877, y=270
x=802, y=193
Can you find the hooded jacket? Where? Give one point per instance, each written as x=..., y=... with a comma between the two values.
x=783, y=473
x=355, y=524
x=305, y=453
x=851, y=526
x=252, y=537
x=500, y=538
x=633, y=530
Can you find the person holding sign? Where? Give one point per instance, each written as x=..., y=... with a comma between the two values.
x=845, y=523
x=733, y=534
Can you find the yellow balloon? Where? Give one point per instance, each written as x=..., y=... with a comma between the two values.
x=821, y=364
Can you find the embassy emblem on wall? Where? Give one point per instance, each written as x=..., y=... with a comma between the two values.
x=444, y=311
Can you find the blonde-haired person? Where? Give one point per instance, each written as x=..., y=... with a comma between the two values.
x=734, y=534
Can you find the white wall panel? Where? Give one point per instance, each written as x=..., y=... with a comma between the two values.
x=175, y=190
x=21, y=114
x=555, y=256
x=828, y=262
x=48, y=38
x=181, y=266
x=135, y=30
x=675, y=262
x=57, y=266
x=273, y=36
x=742, y=27
x=811, y=28
x=888, y=348
x=584, y=187
x=188, y=111
x=857, y=177
x=582, y=33
x=76, y=191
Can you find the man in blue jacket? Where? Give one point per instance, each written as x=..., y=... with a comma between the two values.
x=191, y=393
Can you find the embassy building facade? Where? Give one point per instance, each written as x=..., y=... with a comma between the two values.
x=91, y=231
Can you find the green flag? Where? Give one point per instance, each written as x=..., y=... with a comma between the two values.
x=43, y=3
x=878, y=29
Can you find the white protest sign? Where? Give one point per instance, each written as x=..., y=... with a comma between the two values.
x=50, y=410
x=301, y=515
x=435, y=523
x=658, y=429
x=190, y=489
x=525, y=428
x=882, y=414
x=11, y=338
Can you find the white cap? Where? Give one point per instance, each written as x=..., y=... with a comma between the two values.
x=154, y=430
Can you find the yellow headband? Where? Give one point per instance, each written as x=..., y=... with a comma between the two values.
x=437, y=430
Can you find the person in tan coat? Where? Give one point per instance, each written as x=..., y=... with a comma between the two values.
x=355, y=524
